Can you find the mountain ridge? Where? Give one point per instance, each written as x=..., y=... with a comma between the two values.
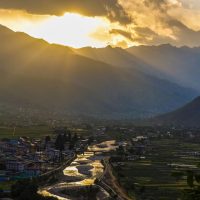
x=55, y=77
x=185, y=116
x=177, y=64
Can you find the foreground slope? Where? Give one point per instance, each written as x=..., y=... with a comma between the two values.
x=36, y=74
x=187, y=116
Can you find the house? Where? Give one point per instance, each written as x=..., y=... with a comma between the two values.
x=53, y=154
x=3, y=176
x=15, y=165
x=33, y=169
x=133, y=157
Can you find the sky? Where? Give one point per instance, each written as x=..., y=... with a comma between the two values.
x=98, y=23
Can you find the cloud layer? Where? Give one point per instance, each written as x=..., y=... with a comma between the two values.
x=108, y=8
x=164, y=21
x=150, y=22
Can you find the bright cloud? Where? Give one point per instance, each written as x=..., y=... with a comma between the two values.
x=102, y=22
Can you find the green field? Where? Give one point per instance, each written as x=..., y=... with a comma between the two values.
x=6, y=185
x=154, y=175
x=33, y=132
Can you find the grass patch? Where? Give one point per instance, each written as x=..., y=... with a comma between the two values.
x=33, y=132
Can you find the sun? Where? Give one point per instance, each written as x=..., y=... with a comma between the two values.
x=70, y=29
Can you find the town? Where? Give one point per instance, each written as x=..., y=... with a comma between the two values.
x=123, y=153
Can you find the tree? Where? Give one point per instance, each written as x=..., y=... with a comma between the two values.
x=177, y=175
x=90, y=140
x=75, y=137
x=194, y=192
x=27, y=190
x=1, y=193
x=197, y=178
x=69, y=135
x=71, y=145
x=191, y=194
x=190, y=178
x=73, y=141
x=120, y=150
x=65, y=137
x=23, y=189
x=60, y=144
x=47, y=140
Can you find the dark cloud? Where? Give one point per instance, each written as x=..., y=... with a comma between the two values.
x=126, y=34
x=158, y=4
x=162, y=5
x=183, y=35
x=144, y=31
x=145, y=35
x=154, y=23
x=108, y=8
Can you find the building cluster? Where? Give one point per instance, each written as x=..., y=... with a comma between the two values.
x=24, y=157
x=134, y=149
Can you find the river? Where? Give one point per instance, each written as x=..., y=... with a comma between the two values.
x=82, y=173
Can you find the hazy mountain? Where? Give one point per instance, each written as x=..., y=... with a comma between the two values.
x=187, y=116
x=180, y=65
x=118, y=57
x=113, y=56
x=36, y=74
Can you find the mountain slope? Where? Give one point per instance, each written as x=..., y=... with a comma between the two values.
x=117, y=57
x=180, y=65
x=36, y=74
x=187, y=116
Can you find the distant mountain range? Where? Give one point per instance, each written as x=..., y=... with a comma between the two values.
x=179, y=65
x=104, y=83
x=186, y=116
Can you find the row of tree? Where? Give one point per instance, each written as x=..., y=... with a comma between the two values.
x=62, y=139
x=193, y=181
x=27, y=190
